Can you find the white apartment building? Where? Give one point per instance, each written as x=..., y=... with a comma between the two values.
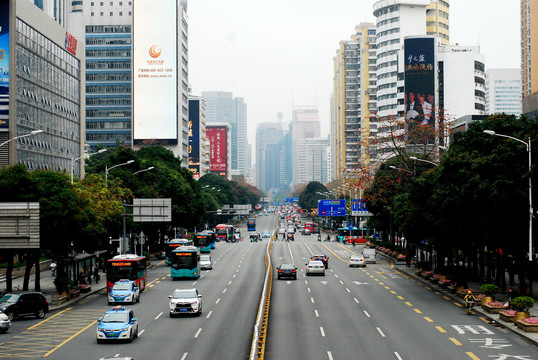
x=316, y=162
x=503, y=91
x=304, y=125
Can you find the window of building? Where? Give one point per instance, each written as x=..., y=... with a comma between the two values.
x=111, y=13
x=121, y=13
x=101, y=13
x=92, y=13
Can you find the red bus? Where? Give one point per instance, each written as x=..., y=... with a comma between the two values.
x=127, y=266
x=309, y=226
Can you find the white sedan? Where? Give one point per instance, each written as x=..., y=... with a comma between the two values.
x=357, y=260
x=315, y=267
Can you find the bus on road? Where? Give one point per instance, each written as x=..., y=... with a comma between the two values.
x=251, y=224
x=213, y=237
x=225, y=232
x=345, y=234
x=174, y=244
x=185, y=263
x=203, y=241
x=127, y=266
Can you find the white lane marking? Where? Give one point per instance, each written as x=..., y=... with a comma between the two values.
x=334, y=274
x=141, y=332
x=194, y=283
x=330, y=355
x=316, y=312
x=237, y=270
x=234, y=276
x=341, y=282
x=312, y=299
x=398, y=356
x=203, y=275
x=198, y=333
x=216, y=302
x=322, y=331
x=308, y=289
x=366, y=313
x=158, y=316
x=184, y=356
x=209, y=314
x=357, y=301
x=349, y=291
x=230, y=283
x=223, y=291
x=380, y=332
x=306, y=281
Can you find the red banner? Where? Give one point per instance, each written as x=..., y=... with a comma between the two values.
x=217, y=141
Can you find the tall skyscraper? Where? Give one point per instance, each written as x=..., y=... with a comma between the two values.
x=529, y=56
x=503, y=91
x=268, y=136
x=222, y=107
x=316, y=162
x=304, y=125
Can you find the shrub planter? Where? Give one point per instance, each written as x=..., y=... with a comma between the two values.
x=507, y=315
x=526, y=326
x=486, y=299
x=520, y=315
x=493, y=307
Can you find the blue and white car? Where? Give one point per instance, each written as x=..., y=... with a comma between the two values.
x=117, y=323
x=124, y=291
x=5, y=323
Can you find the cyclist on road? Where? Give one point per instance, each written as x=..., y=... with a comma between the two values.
x=469, y=299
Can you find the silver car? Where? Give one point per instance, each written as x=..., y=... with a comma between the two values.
x=206, y=263
x=185, y=301
x=357, y=260
x=5, y=324
x=315, y=267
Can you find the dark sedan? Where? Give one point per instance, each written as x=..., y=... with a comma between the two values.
x=287, y=270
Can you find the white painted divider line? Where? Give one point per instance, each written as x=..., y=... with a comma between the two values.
x=380, y=332
x=230, y=283
x=312, y=299
x=216, y=302
x=198, y=333
x=234, y=276
x=349, y=291
x=158, y=316
x=316, y=312
x=366, y=313
x=209, y=314
x=223, y=291
x=194, y=283
x=341, y=282
x=330, y=355
x=141, y=332
x=398, y=356
x=184, y=356
x=322, y=331
x=357, y=301
x=308, y=289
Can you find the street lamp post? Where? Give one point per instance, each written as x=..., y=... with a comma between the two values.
x=107, y=169
x=34, y=132
x=528, y=145
x=73, y=160
x=148, y=169
x=423, y=160
x=400, y=169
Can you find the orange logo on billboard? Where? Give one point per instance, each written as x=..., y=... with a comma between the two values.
x=154, y=51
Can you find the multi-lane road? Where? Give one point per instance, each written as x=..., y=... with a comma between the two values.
x=377, y=312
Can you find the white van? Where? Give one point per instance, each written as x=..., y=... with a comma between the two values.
x=369, y=255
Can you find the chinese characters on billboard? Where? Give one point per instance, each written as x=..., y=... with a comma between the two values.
x=194, y=138
x=419, y=70
x=217, y=149
x=4, y=64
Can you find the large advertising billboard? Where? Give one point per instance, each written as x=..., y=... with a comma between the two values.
x=4, y=64
x=155, y=71
x=419, y=71
x=194, y=138
x=217, y=149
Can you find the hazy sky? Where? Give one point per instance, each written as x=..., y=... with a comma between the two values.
x=279, y=53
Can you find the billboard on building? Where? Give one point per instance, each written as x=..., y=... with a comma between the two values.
x=194, y=138
x=419, y=71
x=155, y=71
x=217, y=136
x=4, y=64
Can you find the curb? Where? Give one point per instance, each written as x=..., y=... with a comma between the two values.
x=77, y=299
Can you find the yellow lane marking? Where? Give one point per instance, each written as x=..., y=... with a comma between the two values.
x=343, y=247
x=394, y=292
x=436, y=292
x=400, y=297
x=484, y=320
x=472, y=356
x=375, y=279
x=428, y=319
x=47, y=319
x=417, y=311
x=446, y=298
x=381, y=283
x=458, y=304
x=455, y=341
x=408, y=303
x=440, y=329
x=163, y=278
x=332, y=252
x=427, y=288
x=70, y=338
x=386, y=287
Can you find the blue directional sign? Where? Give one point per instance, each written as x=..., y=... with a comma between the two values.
x=332, y=207
x=358, y=208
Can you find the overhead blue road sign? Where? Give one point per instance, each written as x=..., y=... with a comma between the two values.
x=332, y=207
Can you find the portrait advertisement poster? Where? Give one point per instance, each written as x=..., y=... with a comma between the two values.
x=194, y=138
x=217, y=148
x=419, y=83
x=4, y=64
x=155, y=71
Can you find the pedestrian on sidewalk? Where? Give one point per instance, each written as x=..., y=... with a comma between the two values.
x=408, y=258
x=89, y=276
x=81, y=278
x=53, y=268
x=96, y=275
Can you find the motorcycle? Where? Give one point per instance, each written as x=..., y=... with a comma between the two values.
x=319, y=237
x=469, y=305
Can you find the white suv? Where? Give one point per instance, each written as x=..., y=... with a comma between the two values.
x=185, y=301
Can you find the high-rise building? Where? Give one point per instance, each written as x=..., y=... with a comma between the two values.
x=353, y=100
x=40, y=89
x=316, y=162
x=222, y=107
x=304, y=125
x=268, y=136
x=529, y=56
x=503, y=91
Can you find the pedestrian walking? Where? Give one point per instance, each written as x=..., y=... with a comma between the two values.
x=96, y=275
x=408, y=259
x=89, y=276
x=81, y=278
x=53, y=268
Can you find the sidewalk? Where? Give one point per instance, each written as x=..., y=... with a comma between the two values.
x=493, y=318
x=48, y=289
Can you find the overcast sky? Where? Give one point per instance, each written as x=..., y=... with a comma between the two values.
x=279, y=53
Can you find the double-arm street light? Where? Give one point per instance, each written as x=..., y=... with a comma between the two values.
x=73, y=160
x=148, y=169
x=34, y=132
x=107, y=169
x=528, y=145
x=400, y=169
x=423, y=160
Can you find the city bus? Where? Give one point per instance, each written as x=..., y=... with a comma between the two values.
x=127, y=266
x=225, y=232
x=251, y=224
x=213, y=237
x=203, y=242
x=185, y=262
x=174, y=244
x=345, y=234
x=309, y=226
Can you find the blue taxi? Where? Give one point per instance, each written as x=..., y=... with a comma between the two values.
x=124, y=291
x=117, y=323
